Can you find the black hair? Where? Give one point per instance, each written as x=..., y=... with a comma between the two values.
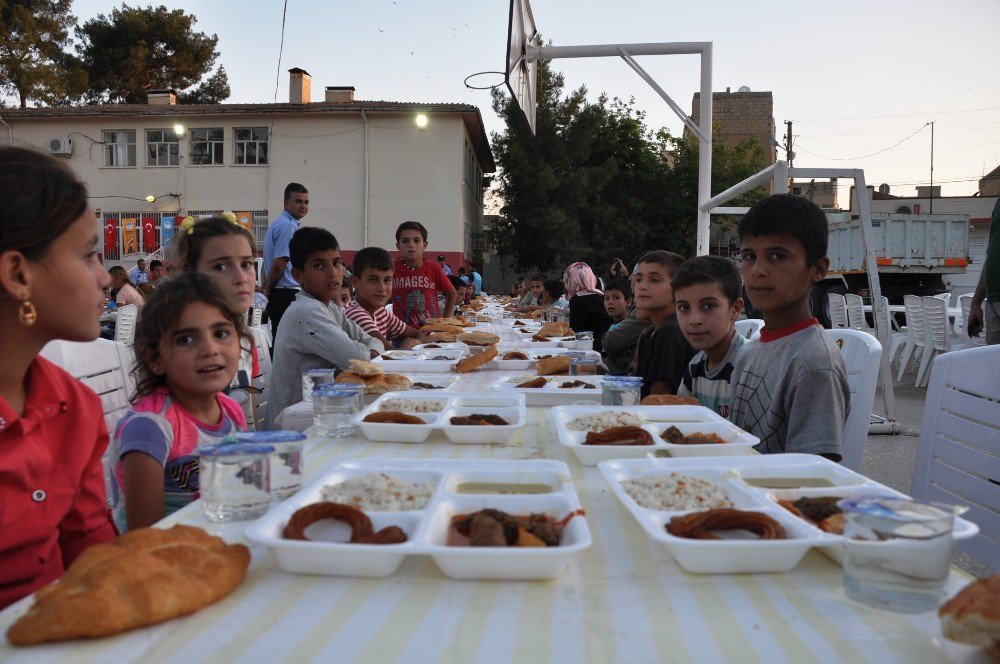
x=160, y=314
x=371, y=258
x=537, y=277
x=461, y=270
x=554, y=287
x=791, y=215
x=307, y=241
x=619, y=285
x=191, y=244
x=40, y=198
x=667, y=259
x=709, y=270
x=155, y=263
x=411, y=226
x=294, y=188
x=456, y=282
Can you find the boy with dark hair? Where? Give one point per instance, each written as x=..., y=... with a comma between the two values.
x=789, y=387
x=372, y=279
x=619, y=342
x=552, y=294
x=662, y=352
x=708, y=302
x=157, y=273
x=314, y=333
x=416, y=281
x=533, y=296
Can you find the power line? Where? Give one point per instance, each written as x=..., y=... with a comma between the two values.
x=799, y=146
x=281, y=49
x=952, y=128
x=899, y=115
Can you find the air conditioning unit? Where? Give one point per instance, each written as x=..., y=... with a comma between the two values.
x=62, y=145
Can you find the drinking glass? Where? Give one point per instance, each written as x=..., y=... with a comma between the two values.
x=621, y=390
x=234, y=480
x=312, y=378
x=585, y=341
x=287, y=462
x=334, y=406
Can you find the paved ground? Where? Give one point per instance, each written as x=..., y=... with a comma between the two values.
x=891, y=459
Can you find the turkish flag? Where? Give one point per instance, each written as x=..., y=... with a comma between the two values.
x=149, y=244
x=110, y=237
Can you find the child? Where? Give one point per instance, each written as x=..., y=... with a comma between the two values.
x=662, y=352
x=707, y=298
x=789, y=386
x=187, y=345
x=373, y=280
x=346, y=293
x=552, y=295
x=315, y=334
x=617, y=301
x=620, y=340
x=52, y=430
x=416, y=281
x=123, y=290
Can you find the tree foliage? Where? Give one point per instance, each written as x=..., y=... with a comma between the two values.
x=133, y=50
x=34, y=62
x=212, y=90
x=595, y=183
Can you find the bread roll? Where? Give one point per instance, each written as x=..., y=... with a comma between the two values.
x=550, y=366
x=451, y=320
x=476, y=360
x=478, y=338
x=442, y=337
x=349, y=377
x=389, y=382
x=450, y=329
x=973, y=615
x=561, y=329
x=364, y=368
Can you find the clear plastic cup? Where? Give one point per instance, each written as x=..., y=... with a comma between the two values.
x=287, y=461
x=896, y=552
x=621, y=391
x=234, y=480
x=584, y=366
x=312, y=378
x=334, y=406
x=585, y=341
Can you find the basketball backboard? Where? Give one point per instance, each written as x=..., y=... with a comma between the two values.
x=520, y=75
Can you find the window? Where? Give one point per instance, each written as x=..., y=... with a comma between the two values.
x=206, y=146
x=162, y=147
x=119, y=148
x=250, y=145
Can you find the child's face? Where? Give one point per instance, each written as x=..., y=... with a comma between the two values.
x=706, y=315
x=322, y=275
x=777, y=276
x=229, y=260
x=412, y=245
x=615, y=304
x=344, y=298
x=547, y=298
x=536, y=288
x=199, y=355
x=374, y=287
x=651, y=287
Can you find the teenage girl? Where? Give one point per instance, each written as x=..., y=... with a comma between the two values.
x=122, y=289
x=187, y=344
x=52, y=431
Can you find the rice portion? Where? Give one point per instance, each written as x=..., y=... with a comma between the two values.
x=380, y=493
x=675, y=492
x=412, y=406
x=601, y=421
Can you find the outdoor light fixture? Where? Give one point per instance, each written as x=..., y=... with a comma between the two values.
x=421, y=120
x=179, y=129
x=150, y=198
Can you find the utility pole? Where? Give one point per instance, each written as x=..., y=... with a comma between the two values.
x=931, y=123
x=788, y=150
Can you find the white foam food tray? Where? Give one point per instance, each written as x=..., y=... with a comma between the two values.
x=511, y=407
x=552, y=394
x=441, y=345
x=440, y=382
x=533, y=353
x=655, y=420
x=728, y=556
x=328, y=551
x=420, y=361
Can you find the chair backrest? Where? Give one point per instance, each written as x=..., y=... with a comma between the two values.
x=102, y=365
x=913, y=307
x=965, y=302
x=936, y=323
x=855, y=312
x=838, y=310
x=749, y=328
x=958, y=457
x=261, y=381
x=125, y=324
x=862, y=355
x=255, y=316
x=944, y=297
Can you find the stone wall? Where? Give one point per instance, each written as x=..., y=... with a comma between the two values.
x=738, y=116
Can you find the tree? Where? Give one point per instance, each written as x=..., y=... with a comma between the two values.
x=34, y=64
x=212, y=91
x=134, y=50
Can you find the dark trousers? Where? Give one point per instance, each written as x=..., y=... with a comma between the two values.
x=280, y=299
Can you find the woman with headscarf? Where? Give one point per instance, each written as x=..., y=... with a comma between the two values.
x=586, y=302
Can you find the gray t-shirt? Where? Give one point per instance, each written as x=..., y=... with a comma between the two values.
x=312, y=336
x=789, y=388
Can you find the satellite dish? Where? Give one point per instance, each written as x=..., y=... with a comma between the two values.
x=883, y=189
x=743, y=88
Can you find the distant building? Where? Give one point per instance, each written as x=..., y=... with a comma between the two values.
x=990, y=184
x=367, y=164
x=737, y=116
x=822, y=193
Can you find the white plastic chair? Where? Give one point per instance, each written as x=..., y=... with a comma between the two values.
x=965, y=302
x=958, y=457
x=862, y=355
x=125, y=324
x=855, y=312
x=897, y=340
x=938, y=336
x=916, y=339
x=749, y=327
x=838, y=310
x=260, y=339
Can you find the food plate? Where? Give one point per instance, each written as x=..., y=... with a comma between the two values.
x=731, y=475
x=420, y=361
x=508, y=406
x=552, y=394
x=437, y=382
x=441, y=345
x=427, y=528
x=655, y=420
x=533, y=353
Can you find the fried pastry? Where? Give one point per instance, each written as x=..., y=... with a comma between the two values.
x=704, y=525
x=514, y=355
x=476, y=360
x=393, y=417
x=534, y=382
x=362, y=531
x=626, y=435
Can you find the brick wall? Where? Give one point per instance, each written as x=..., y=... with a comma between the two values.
x=738, y=116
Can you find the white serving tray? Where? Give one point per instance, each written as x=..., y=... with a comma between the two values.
x=427, y=529
x=551, y=394
x=533, y=352
x=418, y=361
x=445, y=382
x=689, y=419
x=442, y=345
x=511, y=407
x=749, y=555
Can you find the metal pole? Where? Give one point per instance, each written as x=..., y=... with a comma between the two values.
x=932, y=166
x=705, y=151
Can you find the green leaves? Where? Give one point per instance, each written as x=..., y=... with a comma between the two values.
x=33, y=62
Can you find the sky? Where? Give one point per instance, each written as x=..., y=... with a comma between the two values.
x=855, y=77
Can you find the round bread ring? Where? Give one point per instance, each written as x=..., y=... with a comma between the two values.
x=360, y=524
x=699, y=525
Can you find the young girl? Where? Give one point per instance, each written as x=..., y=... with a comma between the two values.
x=346, y=293
x=187, y=344
x=52, y=431
x=122, y=288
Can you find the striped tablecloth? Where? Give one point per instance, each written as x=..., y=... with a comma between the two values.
x=624, y=599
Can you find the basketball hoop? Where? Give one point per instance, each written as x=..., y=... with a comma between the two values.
x=484, y=87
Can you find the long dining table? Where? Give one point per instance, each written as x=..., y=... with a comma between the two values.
x=622, y=600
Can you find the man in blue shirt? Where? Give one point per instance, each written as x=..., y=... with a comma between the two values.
x=477, y=282
x=280, y=286
x=138, y=274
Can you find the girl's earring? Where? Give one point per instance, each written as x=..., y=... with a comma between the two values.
x=26, y=313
